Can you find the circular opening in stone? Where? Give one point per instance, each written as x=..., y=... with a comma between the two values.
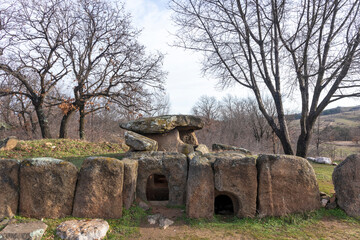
x=157, y=188
x=224, y=205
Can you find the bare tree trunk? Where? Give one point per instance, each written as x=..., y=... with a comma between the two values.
x=64, y=123
x=82, y=122
x=43, y=121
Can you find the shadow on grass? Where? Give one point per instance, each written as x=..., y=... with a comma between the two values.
x=78, y=160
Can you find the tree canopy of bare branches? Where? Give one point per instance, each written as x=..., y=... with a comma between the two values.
x=305, y=48
x=79, y=55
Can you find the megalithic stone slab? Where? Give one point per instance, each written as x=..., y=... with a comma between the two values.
x=47, y=188
x=163, y=124
x=346, y=179
x=238, y=178
x=99, y=188
x=172, y=165
x=287, y=184
x=200, y=189
x=130, y=179
x=9, y=187
x=138, y=142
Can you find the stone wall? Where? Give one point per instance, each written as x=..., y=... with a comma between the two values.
x=272, y=185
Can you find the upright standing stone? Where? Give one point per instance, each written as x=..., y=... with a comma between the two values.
x=346, y=178
x=9, y=187
x=238, y=177
x=287, y=184
x=130, y=179
x=200, y=189
x=99, y=188
x=47, y=188
x=172, y=165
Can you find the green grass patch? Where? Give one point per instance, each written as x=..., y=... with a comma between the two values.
x=323, y=174
x=74, y=151
x=124, y=228
x=128, y=225
x=293, y=226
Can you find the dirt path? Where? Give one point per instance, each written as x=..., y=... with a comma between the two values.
x=327, y=228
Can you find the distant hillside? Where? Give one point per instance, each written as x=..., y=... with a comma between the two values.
x=346, y=112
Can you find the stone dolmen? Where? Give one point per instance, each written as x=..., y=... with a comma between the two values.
x=228, y=181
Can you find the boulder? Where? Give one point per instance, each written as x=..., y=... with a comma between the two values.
x=346, y=179
x=47, y=188
x=216, y=147
x=130, y=178
x=202, y=148
x=28, y=231
x=186, y=149
x=82, y=229
x=138, y=142
x=171, y=165
x=286, y=184
x=169, y=142
x=200, y=189
x=321, y=160
x=99, y=188
x=163, y=124
x=8, y=144
x=237, y=178
x=9, y=187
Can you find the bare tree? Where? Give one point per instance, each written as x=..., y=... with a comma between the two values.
x=108, y=65
x=30, y=60
x=276, y=48
x=207, y=107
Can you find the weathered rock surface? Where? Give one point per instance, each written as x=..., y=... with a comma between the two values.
x=168, y=142
x=189, y=137
x=286, y=184
x=83, y=229
x=28, y=231
x=130, y=179
x=322, y=160
x=8, y=143
x=346, y=179
x=99, y=188
x=9, y=187
x=186, y=149
x=216, y=147
x=213, y=156
x=163, y=124
x=200, y=189
x=164, y=223
x=237, y=178
x=202, y=148
x=172, y=165
x=47, y=188
x=138, y=142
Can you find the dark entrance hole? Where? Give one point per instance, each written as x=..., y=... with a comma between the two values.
x=157, y=188
x=224, y=205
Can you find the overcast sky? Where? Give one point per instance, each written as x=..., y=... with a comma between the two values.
x=185, y=82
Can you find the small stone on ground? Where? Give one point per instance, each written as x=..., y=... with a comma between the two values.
x=83, y=229
x=28, y=231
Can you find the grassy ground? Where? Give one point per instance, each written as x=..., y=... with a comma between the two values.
x=321, y=224
x=74, y=151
